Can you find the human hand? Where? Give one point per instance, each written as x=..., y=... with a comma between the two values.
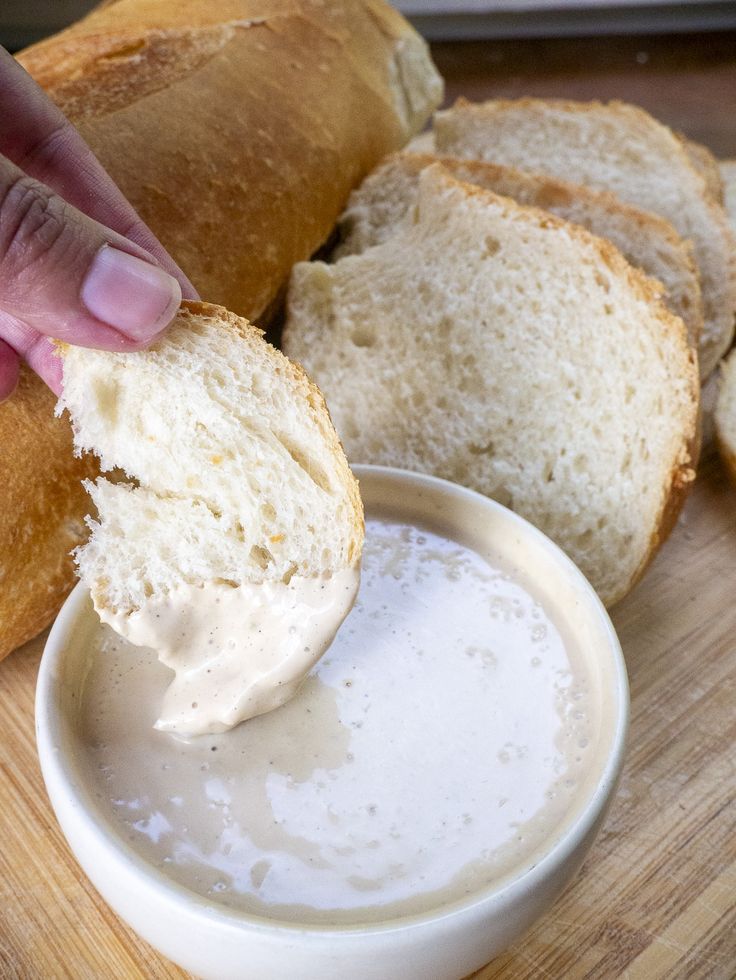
x=76, y=261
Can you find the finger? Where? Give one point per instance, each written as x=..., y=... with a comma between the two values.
x=37, y=350
x=43, y=143
x=9, y=370
x=66, y=276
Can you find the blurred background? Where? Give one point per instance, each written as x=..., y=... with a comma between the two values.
x=677, y=59
x=25, y=21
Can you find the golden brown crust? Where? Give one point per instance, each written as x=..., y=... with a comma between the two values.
x=42, y=512
x=237, y=135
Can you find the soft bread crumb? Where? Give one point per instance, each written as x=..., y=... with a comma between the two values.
x=499, y=347
x=233, y=471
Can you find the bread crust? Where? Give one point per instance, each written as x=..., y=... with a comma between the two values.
x=706, y=164
x=42, y=513
x=574, y=202
x=237, y=130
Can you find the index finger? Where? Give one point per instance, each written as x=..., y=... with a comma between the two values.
x=40, y=140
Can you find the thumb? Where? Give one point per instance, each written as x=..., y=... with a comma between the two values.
x=64, y=275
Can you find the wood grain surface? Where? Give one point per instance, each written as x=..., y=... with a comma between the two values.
x=656, y=897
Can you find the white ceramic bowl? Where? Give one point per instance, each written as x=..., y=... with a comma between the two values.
x=449, y=942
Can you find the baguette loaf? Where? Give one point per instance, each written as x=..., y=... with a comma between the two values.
x=237, y=130
x=646, y=240
x=41, y=514
x=615, y=147
x=499, y=347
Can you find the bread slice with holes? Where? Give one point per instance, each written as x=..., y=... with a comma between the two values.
x=233, y=471
x=504, y=349
x=616, y=147
x=647, y=241
x=725, y=415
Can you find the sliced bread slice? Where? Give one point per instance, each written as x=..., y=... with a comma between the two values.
x=615, y=147
x=647, y=241
x=500, y=347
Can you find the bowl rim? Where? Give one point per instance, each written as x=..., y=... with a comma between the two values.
x=59, y=772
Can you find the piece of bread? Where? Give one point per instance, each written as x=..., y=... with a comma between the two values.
x=727, y=170
x=500, y=347
x=42, y=508
x=707, y=166
x=725, y=415
x=237, y=129
x=617, y=147
x=233, y=471
x=647, y=241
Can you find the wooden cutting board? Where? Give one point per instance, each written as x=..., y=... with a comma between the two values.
x=657, y=895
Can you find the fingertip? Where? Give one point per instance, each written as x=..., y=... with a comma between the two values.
x=136, y=298
x=43, y=358
x=9, y=371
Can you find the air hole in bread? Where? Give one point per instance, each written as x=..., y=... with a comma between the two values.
x=363, y=337
x=444, y=327
x=584, y=539
x=105, y=393
x=315, y=473
x=504, y=496
x=261, y=556
x=492, y=246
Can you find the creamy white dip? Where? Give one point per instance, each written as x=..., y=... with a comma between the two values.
x=237, y=652
x=438, y=746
